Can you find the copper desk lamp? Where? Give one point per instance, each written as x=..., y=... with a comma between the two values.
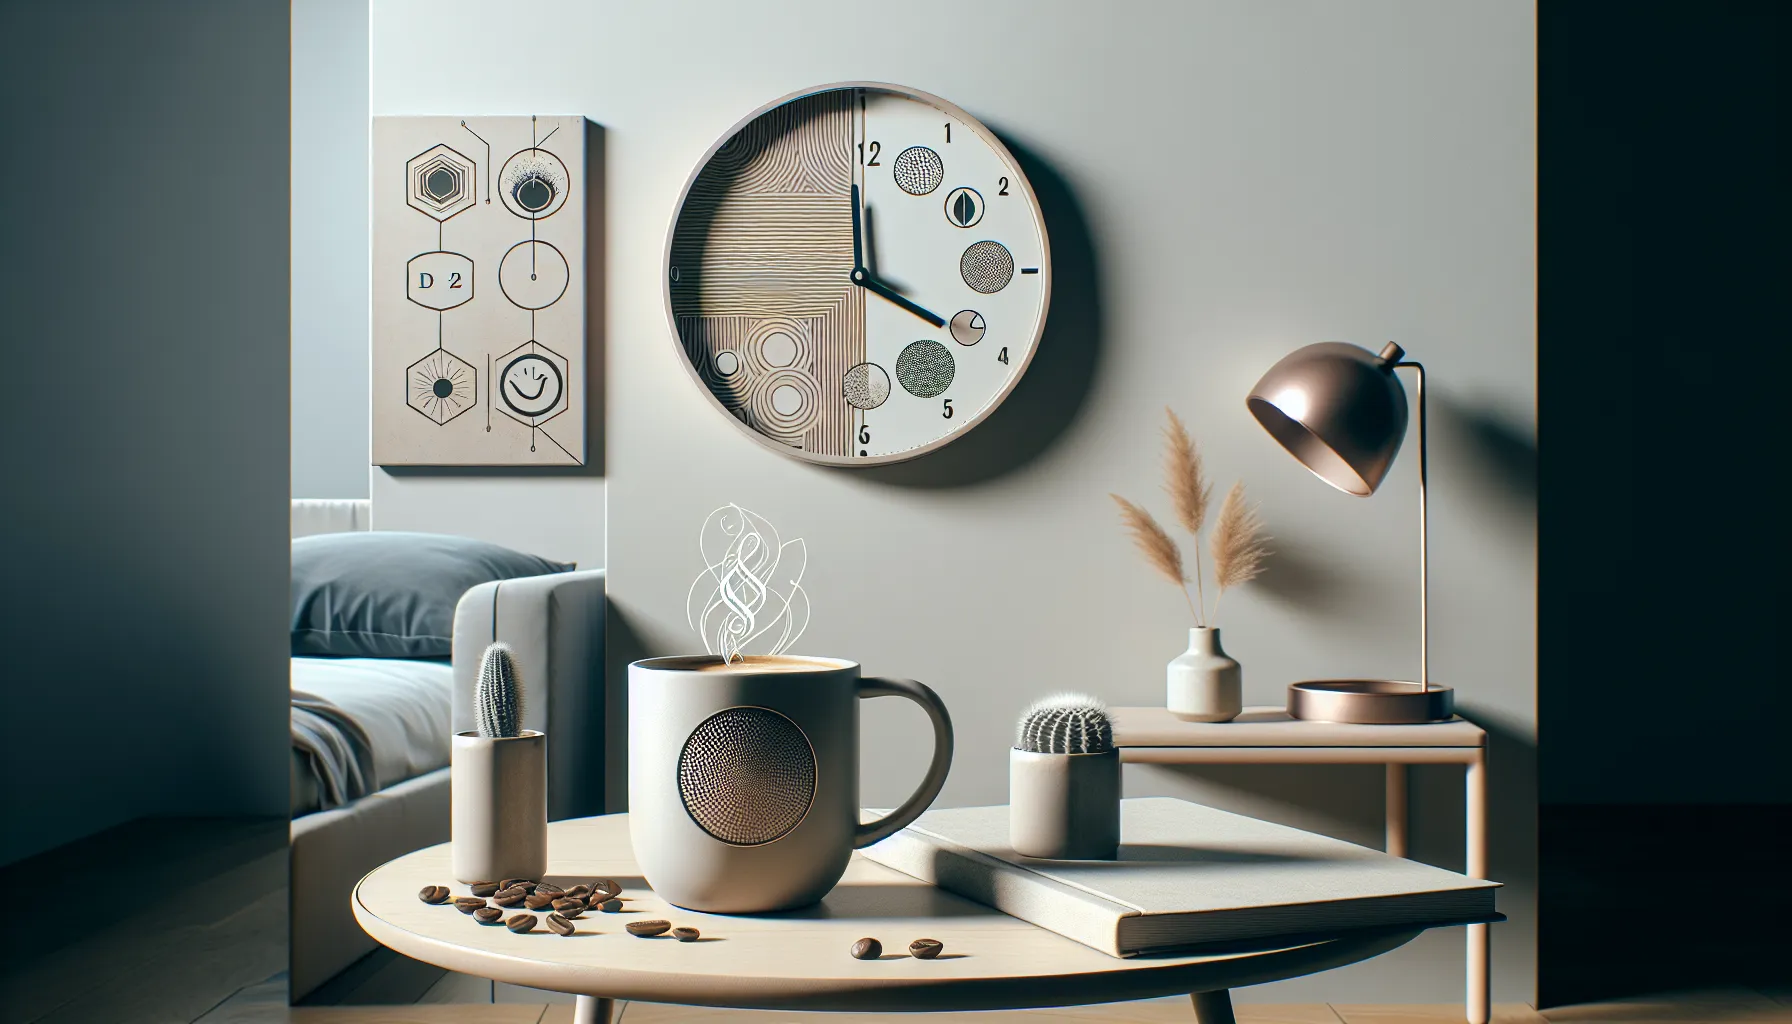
x=1340, y=410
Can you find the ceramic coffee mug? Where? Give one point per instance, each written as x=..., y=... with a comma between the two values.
x=743, y=782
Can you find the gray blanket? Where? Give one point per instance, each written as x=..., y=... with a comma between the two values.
x=335, y=748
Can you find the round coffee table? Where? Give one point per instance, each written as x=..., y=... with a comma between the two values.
x=797, y=960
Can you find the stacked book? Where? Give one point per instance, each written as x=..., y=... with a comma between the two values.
x=1187, y=876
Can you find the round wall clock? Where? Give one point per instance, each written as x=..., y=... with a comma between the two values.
x=858, y=274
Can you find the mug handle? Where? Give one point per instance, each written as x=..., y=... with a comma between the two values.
x=872, y=686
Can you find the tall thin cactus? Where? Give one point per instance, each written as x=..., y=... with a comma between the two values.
x=1066, y=723
x=500, y=694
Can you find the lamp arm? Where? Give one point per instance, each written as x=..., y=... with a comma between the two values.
x=1424, y=539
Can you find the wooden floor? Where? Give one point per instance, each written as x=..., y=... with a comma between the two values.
x=196, y=934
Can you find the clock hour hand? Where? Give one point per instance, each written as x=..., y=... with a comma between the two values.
x=872, y=284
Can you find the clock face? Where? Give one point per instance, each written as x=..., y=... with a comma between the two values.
x=858, y=275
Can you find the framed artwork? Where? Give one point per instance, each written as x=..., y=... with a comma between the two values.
x=857, y=274
x=478, y=291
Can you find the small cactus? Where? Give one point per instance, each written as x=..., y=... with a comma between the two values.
x=500, y=694
x=1066, y=723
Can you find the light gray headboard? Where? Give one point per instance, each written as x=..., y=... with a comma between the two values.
x=330, y=515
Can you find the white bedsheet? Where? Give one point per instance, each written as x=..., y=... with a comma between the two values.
x=403, y=707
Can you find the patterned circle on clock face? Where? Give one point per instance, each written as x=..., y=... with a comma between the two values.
x=880, y=366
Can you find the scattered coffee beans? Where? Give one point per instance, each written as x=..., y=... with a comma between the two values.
x=537, y=900
x=483, y=889
x=560, y=924
x=645, y=929
x=925, y=949
x=610, y=906
x=488, y=915
x=521, y=923
x=468, y=904
x=867, y=949
x=511, y=883
x=508, y=898
x=686, y=934
x=435, y=894
x=570, y=907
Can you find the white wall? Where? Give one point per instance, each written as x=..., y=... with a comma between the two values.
x=1223, y=181
x=329, y=249
x=143, y=271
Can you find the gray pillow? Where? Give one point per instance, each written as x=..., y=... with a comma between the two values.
x=385, y=594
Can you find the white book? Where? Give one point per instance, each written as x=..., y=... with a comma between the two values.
x=1187, y=876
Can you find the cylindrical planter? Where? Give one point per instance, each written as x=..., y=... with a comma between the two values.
x=1204, y=685
x=499, y=806
x=1064, y=806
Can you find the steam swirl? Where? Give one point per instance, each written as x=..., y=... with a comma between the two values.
x=740, y=597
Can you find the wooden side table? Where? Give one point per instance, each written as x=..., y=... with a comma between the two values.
x=1266, y=735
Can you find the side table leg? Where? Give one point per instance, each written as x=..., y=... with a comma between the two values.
x=1396, y=810
x=1480, y=955
x=593, y=1010
x=1213, y=1007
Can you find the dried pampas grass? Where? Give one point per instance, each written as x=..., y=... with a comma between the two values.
x=1237, y=544
x=1236, y=541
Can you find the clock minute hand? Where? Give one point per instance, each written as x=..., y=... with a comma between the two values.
x=869, y=283
x=858, y=257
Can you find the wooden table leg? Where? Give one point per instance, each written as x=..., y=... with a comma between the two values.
x=1396, y=810
x=1480, y=956
x=1213, y=1007
x=593, y=1010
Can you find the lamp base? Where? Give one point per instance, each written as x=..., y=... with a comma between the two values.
x=1369, y=702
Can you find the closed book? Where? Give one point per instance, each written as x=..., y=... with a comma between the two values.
x=1186, y=876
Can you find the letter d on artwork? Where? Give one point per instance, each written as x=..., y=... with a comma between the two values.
x=425, y=279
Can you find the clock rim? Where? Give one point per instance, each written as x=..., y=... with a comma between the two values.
x=861, y=461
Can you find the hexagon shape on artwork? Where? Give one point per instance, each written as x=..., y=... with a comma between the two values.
x=439, y=182
x=441, y=386
x=439, y=280
x=534, y=383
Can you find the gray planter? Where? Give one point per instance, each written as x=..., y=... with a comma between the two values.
x=498, y=800
x=1064, y=806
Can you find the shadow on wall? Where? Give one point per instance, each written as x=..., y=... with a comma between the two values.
x=1057, y=383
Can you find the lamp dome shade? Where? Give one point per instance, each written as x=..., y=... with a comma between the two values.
x=1339, y=409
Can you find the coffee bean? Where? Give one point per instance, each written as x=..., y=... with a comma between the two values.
x=543, y=888
x=510, y=899
x=610, y=906
x=579, y=891
x=468, y=904
x=648, y=928
x=569, y=907
x=537, y=900
x=435, y=894
x=526, y=883
x=867, y=949
x=608, y=886
x=925, y=949
x=560, y=924
x=521, y=923
x=685, y=934
x=488, y=915
x=515, y=890
x=483, y=889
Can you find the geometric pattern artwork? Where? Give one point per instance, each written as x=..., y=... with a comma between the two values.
x=497, y=201
x=822, y=285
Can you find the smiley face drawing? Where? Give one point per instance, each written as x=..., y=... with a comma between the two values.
x=531, y=385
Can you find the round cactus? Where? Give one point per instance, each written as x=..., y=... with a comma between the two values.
x=500, y=694
x=1066, y=723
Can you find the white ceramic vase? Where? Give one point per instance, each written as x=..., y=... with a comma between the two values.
x=498, y=807
x=1203, y=684
x=1064, y=806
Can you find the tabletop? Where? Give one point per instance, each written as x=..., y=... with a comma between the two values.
x=1268, y=726
x=798, y=960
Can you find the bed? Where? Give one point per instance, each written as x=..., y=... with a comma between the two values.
x=371, y=738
